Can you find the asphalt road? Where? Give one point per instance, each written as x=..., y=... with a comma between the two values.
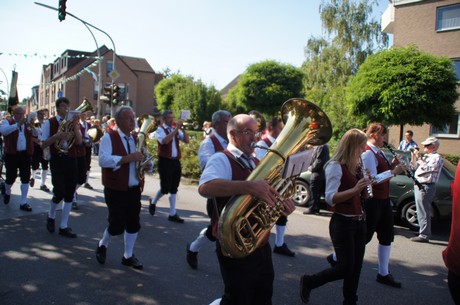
x=37, y=267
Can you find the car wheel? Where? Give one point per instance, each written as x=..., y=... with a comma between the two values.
x=409, y=215
x=302, y=193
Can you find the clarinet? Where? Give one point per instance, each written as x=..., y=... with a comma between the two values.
x=408, y=172
x=365, y=175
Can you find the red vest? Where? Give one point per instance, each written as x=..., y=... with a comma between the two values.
x=11, y=140
x=165, y=150
x=216, y=143
x=119, y=179
x=353, y=205
x=381, y=190
x=54, y=126
x=239, y=172
x=80, y=150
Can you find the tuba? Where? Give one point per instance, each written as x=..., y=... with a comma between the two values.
x=67, y=126
x=147, y=126
x=245, y=221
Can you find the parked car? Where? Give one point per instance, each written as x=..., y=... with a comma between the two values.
x=401, y=193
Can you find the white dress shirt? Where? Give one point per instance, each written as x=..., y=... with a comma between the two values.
x=260, y=152
x=160, y=134
x=6, y=129
x=370, y=161
x=429, y=168
x=207, y=149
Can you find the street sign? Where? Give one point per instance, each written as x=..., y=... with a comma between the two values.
x=114, y=74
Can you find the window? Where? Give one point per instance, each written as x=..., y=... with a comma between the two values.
x=108, y=67
x=448, y=18
x=449, y=130
x=457, y=68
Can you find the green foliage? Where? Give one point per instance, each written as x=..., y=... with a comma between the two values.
x=452, y=158
x=404, y=86
x=264, y=87
x=330, y=61
x=184, y=93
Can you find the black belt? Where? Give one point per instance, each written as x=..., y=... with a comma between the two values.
x=134, y=187
x=427, y=183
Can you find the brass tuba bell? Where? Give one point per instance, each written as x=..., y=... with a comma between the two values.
x=245, y=221
x=147, y=126
x=67, y=126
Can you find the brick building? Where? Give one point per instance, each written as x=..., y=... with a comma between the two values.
x=434, y=27
x=74, y=75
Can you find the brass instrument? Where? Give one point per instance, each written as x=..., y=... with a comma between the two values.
x=95, y=133
x=67, y=126
x=365, y=174
x=147, y=125
x=245, y=221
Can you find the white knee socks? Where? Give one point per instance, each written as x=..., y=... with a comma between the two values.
x=384, y=259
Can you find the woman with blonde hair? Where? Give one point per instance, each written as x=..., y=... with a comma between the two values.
x=345, y=190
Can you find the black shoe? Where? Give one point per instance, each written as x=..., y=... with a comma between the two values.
x=331, y=261
x=419, y=239
x=50, y=225
x=67, y=232
x=132, y=262
x=74, y=205
x=44, y=188
x=388, y=280
x=32, y=182
x=88, y=186
x=284, y=250
x=25, y=207
x=311, y=211
x=152, y=208
x=6, y=199
x=175, y=218
x=101, y=252
x=192, y=258
x=304, y=288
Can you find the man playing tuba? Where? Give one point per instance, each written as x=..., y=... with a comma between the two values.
x=223, y=177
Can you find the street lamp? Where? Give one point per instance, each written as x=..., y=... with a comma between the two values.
x=87, y=24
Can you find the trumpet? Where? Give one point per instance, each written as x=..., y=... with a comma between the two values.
x=365, y=173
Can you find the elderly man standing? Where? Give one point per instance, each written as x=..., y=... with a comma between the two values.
x=428, y=169
x=18, y=152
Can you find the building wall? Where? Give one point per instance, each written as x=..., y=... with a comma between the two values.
x=415, y=23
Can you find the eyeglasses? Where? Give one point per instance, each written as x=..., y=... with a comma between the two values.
x=247, y=132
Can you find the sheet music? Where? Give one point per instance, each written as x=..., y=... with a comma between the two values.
x=297, y=163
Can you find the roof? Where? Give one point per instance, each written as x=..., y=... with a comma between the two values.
x=137, y=64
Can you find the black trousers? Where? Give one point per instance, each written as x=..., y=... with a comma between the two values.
x=37, y=159
x=317, y=187
x=81, y=170
x=379, y=218
x=14, y=162
x=170, y=173
x=249, y=280
x=88, y=157
x=63, y=176
x=124, y=210
x=349, y=239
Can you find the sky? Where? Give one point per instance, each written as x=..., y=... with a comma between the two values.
x=211, y=40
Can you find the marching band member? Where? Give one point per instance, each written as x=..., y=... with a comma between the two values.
x=18, y=151
x=38, y=158
x=63, y=166
x=122, y=187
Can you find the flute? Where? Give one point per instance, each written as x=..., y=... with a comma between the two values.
x=407, y=169
x=366, y=175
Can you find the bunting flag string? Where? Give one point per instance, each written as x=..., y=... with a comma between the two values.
x=75, y=76
x=46, y=56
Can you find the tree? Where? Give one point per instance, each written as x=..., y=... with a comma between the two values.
x=184, y=93
x=404, y=86
x=265, y=86
x=351, y=35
